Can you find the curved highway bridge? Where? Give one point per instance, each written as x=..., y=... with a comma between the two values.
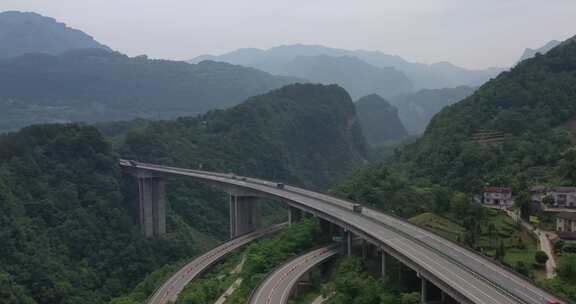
x=169, y=291
x=278, y=286
x=464, y=275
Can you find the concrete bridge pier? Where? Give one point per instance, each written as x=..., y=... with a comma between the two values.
x=424, y=290
x=244, y=214
x=294, y=215
x=383, y=263
x=348, y=240
x=152, y=205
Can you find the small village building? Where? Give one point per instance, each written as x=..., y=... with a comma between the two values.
x=566, y=222
x=538, y=193
x=498, y=196
x=564, y=197
x=566, y=226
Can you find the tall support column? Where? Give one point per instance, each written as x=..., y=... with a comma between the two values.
x=348, y=243
x=383, y=258
x=152, y=206
x=294, y=215
x=364, y=250
x=442, y=296
x=424, y=290
x=244, y=215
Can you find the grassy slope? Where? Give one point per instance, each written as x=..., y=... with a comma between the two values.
x=438, y=224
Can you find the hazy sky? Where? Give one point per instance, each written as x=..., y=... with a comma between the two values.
x=471, y=33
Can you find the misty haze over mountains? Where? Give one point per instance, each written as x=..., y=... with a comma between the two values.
x=529, y=53
x=279, y=59
x=22, y=33
x=41, y=88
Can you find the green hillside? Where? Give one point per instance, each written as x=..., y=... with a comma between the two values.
x=305, y=134
x=67, y=224
x=66, y=229
x=531, y=109
x=379, y=120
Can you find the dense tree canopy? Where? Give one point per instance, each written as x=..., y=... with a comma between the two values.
x=67, y=233
x=529, y=112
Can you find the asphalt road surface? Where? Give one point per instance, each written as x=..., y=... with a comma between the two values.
x=277, y=287
x=175, y=284
x=467, y=273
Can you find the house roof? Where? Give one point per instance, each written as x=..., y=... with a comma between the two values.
x=539, y=189
x=563, y=189
x=570, y=236
x=571, y=216
x=498, y=190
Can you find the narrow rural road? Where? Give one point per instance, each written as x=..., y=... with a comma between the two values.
x=543, y=243
x=547, y=248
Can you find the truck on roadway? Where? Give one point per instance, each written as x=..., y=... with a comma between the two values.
x=357, y=208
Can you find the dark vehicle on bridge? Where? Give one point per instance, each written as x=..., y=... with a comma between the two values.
x=357, y=208
x=280, y=185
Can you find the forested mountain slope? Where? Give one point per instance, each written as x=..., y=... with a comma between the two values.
x=379, y=120
x=67, y=219
x=517, y=128
x=304, y=133
x=98, y=85
x=23, y=32
x=67, y=233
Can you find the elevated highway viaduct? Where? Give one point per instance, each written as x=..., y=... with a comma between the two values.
x=464, y=275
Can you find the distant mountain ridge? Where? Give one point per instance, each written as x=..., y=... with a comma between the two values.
x=439, y=75
x=529, y=53
x=97, y=85
x=26, y=32
x=356, y=76
x=417, y=109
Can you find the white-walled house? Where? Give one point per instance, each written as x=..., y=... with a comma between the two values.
x=498, y=196
x=564, y=197
x=566, y=226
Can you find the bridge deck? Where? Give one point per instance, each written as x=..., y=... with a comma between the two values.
x=463, y=274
